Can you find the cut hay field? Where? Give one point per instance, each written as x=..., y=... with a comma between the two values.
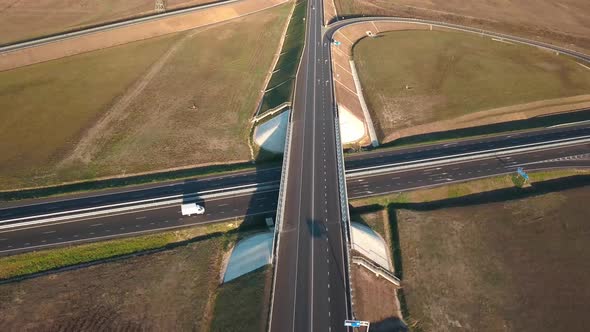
x=20, y=20
x=562, y=22
x=413, y=78
x=174, y=101
x=517, y=265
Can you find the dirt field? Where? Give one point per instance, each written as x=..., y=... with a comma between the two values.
x=375, y=300
x=244, y=302
x=145, y=106
x=517, y=265
x=562, y=22
x=413, y=78
x=21, y=20
x=168, y=291
x=174, y=290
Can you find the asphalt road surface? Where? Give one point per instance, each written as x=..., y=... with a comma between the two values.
x=311, y=274
x=272, y=175
x=264, y=203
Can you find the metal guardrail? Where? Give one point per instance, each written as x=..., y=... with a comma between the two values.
x=377, y=269
x=282, y=189
x=429, y=162
x=276, y=240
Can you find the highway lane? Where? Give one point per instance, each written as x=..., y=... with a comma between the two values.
x=137, y=222
x=311, y=282
x=23, y=208
x=74, y=231
x=577, y=156
x=380, y=157
x=15, y=209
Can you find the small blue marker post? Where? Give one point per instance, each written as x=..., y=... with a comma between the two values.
x=356, y=323
x=522, y=173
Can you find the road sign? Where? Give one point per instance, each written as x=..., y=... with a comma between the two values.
x=522, y=173
x=355, y=323
x=337, y=43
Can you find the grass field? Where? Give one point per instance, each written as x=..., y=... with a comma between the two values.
x=245, y=300
x=21, y=20
x=480, y=256
x=45, y=107
x=513, y=266
x=142, y=107
x=452, y=74
x=175, y=289
x=560, y=22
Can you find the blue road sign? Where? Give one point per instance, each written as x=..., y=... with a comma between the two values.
x=522, y=173
x=355, y=323
x=337, y=43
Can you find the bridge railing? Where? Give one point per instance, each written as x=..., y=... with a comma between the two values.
x=276, y=239
x=343, y=199
x=282, y=189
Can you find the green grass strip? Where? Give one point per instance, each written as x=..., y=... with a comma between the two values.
x=35, y=262
x=282, y=81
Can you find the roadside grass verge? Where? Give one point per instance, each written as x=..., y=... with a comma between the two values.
x=243, y=303
x=428, y=77
x=31, y=263
x=281, y=84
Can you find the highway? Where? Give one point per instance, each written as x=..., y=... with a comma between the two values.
x=271, y=175
x=264, y=202
x=310, y=289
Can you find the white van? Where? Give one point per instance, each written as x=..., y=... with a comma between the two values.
x=192, y=208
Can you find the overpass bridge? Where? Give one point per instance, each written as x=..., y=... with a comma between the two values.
x=311, y=290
